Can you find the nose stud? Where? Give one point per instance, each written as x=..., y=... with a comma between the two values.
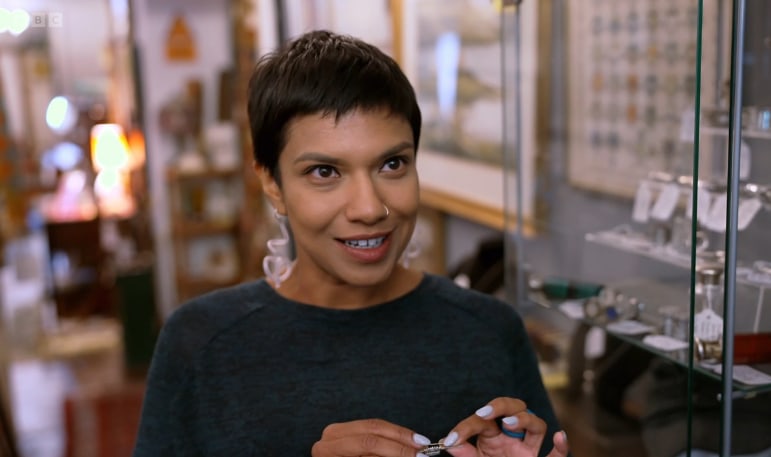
x=388, y=211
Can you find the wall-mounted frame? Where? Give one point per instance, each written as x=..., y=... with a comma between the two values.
x=369, y=20
x=631, y=75
x=462, y=97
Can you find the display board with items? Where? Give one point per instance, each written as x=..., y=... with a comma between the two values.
x=654, y=257
x=633, y=74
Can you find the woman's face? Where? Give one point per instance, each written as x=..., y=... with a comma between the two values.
x=337, y=178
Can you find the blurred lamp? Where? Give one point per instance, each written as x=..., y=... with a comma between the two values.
x=110, y=156
x=109, y=147
x=61, y=115
x=5, y=20
x=64, y=156
x=16, y=21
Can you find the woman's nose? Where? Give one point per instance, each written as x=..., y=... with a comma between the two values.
x=364, y=202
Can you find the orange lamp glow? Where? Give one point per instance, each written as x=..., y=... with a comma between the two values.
x=136, y=142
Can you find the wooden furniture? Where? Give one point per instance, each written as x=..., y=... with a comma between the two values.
x=103, y=422
x=206, y=237
x=7, y=434
x=8, y=445
x=79, y=266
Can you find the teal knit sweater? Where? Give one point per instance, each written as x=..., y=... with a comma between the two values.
x=246, y=372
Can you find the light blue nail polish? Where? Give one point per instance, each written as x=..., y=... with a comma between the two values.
x=420, y=454
x=484, y=411
x=511, y=420
x=420, y=439
x=451, y=439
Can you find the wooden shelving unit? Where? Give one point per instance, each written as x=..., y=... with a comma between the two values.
x=199, y=229
x=241, y=233
x=206, y=243
x=198, y=286
x=174, y=175
x=256, y=226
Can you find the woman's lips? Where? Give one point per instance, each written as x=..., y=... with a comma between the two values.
x=367, y=249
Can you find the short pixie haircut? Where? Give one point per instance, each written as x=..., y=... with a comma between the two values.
x=323, y=72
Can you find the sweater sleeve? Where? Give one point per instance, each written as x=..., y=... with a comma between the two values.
x=533, y=390
x=169, y=424
x=168, y=401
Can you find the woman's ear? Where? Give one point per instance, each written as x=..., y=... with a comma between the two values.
x=271, y=188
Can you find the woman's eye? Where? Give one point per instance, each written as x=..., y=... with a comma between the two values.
x=323, y=171
x=394, y=163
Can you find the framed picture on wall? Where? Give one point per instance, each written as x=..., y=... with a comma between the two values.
x=452, y=50
x=632, y=69
x=370, y=20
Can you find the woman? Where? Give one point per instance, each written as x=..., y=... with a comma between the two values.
x=344, y=351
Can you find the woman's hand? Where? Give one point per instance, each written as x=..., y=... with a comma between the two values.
x=491, y=437
x=368, y=437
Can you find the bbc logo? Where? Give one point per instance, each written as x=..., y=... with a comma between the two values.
x=46, y=19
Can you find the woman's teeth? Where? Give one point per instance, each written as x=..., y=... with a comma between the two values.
x=365, y=244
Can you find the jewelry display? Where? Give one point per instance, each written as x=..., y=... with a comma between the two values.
x=661, y=224
x=680, y=241
x=758, y=273
x=676, y=321
x=762, y=120
x=763, y=266
x=611, y=305
x=708, y=350
x=662, y=227
x=708, y=322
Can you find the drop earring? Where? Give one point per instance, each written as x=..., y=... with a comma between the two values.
x=412, y=251
x=277, y=265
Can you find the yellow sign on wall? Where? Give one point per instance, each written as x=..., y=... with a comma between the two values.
x=180, y=43
x=499, y=5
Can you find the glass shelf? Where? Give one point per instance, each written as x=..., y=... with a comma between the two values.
x=642, y=246
x=678, y=356
x=723, y=131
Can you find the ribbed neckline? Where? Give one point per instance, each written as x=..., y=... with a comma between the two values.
x=269, y=295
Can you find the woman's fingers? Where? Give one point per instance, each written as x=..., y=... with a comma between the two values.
x=560, y=448
x=485, y=421
x=361, y=445
x=500, y=421
x=368, y=437
x=531, y=428
x=364, y=426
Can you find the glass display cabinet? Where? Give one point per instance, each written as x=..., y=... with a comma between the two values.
x=637, y=175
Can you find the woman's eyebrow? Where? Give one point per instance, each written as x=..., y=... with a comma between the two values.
x=325, y=158
x=396, y=149
x=317, y=157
